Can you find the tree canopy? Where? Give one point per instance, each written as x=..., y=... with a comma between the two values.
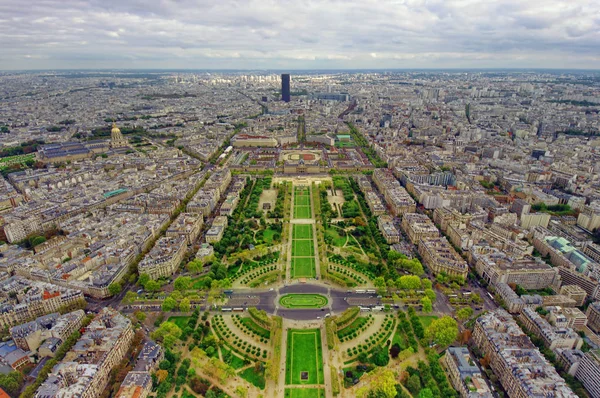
x=442, y=331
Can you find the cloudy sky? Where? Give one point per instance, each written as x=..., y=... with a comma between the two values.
x=299, y=34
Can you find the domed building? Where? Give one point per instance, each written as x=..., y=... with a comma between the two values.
x=116, y=138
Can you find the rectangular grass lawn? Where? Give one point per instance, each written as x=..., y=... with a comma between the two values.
x=301, y=200
x=427, y=319
x=304, y=393
x=303, y=248
x=302, y=231
x=304, y=354
x=302, y=212
x=303, y=267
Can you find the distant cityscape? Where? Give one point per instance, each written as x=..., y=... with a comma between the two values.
x=300, y=234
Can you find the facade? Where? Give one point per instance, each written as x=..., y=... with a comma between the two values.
x=419, y=226
x=574, y=292
x=464, y=374
x=116, y=138
x=85, y=370
x=588, y=373
x=440, y=257
x=164, y=258
x=593, y=315
x=554, y=337
x=531, y=273
x=396, y=197
x=135, y=385
x=388, y=229
x=187, y=225
x=285, y=87
x=521, y=368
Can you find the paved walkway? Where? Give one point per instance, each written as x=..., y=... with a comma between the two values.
x=371, y=330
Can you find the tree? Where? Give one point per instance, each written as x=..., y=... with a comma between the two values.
x=413, y=384
x=184, y=305
x=464, y=313
x=406, y=282
x=426, y=303
x=382, y=385
x=141, y=316
x=195, y=266
x=114, y=288
x=442, y=331
x=130, y=297
x=161, y=375
x=169, y=304
x=143, y=279
x=379, y=282
x=426, y=283
x=152, y=286
x=426, y=393
x=182, y=283
x=430, y=293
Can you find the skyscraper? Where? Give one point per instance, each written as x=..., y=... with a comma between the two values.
x=285, y=87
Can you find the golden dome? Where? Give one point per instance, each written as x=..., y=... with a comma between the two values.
x=115, y=129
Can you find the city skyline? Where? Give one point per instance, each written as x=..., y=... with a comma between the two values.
x=311, y=35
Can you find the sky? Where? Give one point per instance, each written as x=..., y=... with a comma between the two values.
x=286, y=34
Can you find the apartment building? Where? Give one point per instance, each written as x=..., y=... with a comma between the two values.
x=574, y=292
x=85, y=370
x=588, y=373
x=464, y=373
x=29, y=336
x=33, y=299
x=216, y=231
x=135, y=385
x=440, y=257
x=495, y=266
x=593, y=315
x=164, y=258
x=419, y=226
x=521, y=368
x=187, y=225
x=554, y=337
x=396, y=197
x=388, y=229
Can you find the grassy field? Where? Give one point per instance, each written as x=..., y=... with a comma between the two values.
x=338, y=240
x=180, y=321
x=302, y=231
x=427, y=319
x=302, y=212
x=234, y=361
x=303, y=248
x=304, y=354
x=268, y=235
x=304, y=393
x=303, y=301
x=303, y=267
x=354, y=326
x=256, y=379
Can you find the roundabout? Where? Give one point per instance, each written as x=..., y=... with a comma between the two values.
x=299, y=300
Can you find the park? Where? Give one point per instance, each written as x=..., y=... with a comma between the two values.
x=303, y=301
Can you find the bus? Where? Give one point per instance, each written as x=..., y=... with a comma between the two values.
x=360, y=291
x=238, y=309
x=371, y=291
x=228, y=291
x=490, y=294
x=364, y=309
x=226, y=309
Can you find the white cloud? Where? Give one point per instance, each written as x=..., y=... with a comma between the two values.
x=300, y=34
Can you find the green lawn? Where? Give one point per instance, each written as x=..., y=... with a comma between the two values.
x=303, y=267
x=302, y=200
x=354, y=326
x=304, y=354
x=268, y=235
x=427, y=319
x=180, y=321
x=256, y=379
x=256, y=328
x=232, y=359
x=302, y=231
x=338, y=240
x=304, y=393
x=303, y=248
x=303, y=301
x=302, y=212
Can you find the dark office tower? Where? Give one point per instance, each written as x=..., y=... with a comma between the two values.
x=285, y=87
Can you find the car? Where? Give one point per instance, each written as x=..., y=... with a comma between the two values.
x=318, y=317
x=271, y=289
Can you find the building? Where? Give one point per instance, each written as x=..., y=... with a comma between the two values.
x=570, y=360
x=187, y=225
x=135, y=385
x=85, y=370
x=574, y=292
x=520, y=367
x=464, y=374
x=164, y=258
x=285, y=87
x=531, y=273
x=513, y=302
x=149, y=357
x=572, y=318
x=588, y=373
x=593, y=315
x=419, y=226
x=440, y=257
x=13, y=356
x=116, y=138
x=396, y=197
x=388, y=229
x=216, y=231
x=554, y=337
